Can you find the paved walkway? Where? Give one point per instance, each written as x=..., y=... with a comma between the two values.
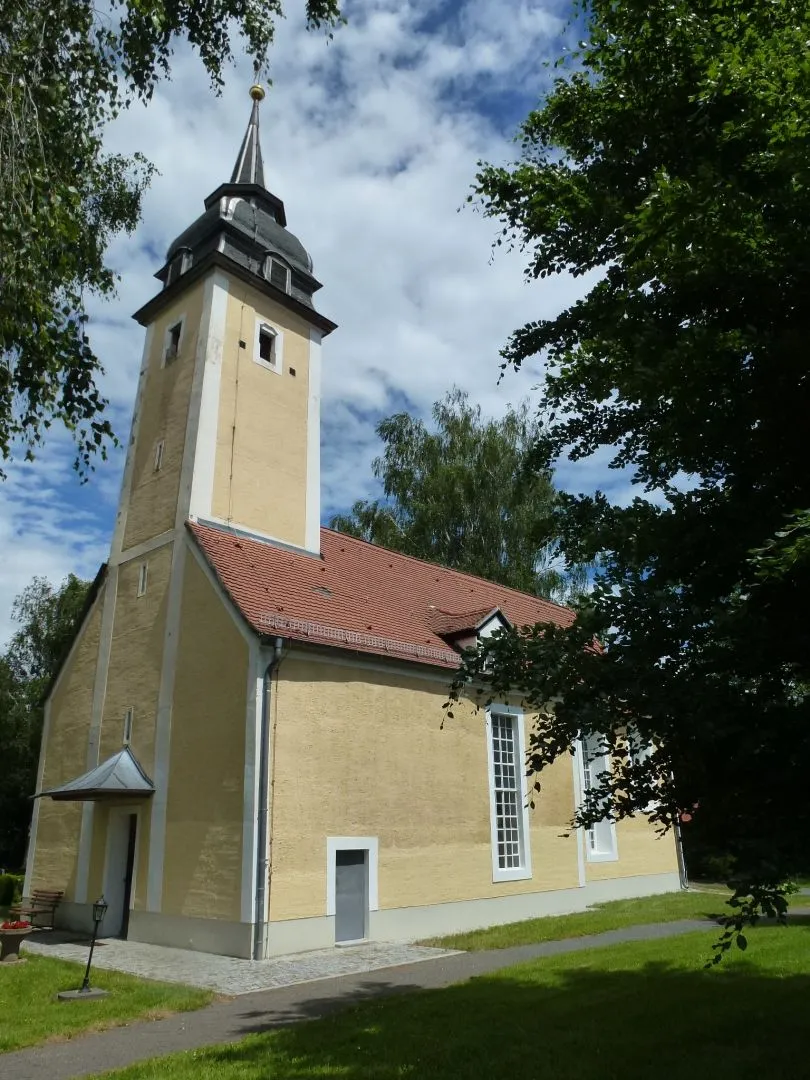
x=227, y=974
x=229, y=1021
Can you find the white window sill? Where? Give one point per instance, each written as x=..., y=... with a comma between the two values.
x=276, y=368
x=596, y=856
x=521, y=873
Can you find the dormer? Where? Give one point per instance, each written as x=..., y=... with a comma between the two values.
x=465, y=629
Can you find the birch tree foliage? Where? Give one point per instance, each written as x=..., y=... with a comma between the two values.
x=464, y=492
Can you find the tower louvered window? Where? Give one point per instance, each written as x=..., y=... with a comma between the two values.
x=279, y=275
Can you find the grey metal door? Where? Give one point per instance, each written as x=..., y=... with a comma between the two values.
x=351, y=895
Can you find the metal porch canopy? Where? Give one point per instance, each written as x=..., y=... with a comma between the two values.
x=119, y=775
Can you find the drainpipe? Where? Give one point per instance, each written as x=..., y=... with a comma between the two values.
x=681, y=857
x=264, y=806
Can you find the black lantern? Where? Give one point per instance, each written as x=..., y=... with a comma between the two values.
x=86, y=991
x=99, y=911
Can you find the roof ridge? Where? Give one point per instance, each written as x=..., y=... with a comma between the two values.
x=448, y=569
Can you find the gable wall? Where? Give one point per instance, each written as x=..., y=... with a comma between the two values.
x=203, y=854
x=65, y=751
x=136, y=657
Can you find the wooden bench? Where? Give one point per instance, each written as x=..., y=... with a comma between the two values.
x=41, y=902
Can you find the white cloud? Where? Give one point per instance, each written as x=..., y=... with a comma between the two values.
x=49, y=525
x=372, y=141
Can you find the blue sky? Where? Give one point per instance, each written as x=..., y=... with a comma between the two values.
x=372, y=141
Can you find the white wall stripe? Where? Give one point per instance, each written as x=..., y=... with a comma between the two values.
x=205, y=399
x=579, y=834
x=94, y=734
x=126, y=480
x=85, y=850
x=313, y=504
x=137, y=550
x=255, y=704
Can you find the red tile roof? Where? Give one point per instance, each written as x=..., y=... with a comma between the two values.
x=358, y=596
x=450, y=623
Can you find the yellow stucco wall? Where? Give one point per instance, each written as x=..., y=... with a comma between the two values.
x=71, y=705
x=641, y=851
x=261, y=461
x=361, y=753
x=163, y=415
x=133, y=679
x=203, y=857
x=136, y=656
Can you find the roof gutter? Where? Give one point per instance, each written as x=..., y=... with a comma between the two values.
x=260, y=911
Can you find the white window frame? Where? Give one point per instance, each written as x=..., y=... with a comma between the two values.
x=143, y=578
x=181, y=322
x=370, y=844
x=639, y=758
x=129, y=717
x=278, y=347
x=610, y=852
x=524, y=871
x=160, y=446
x=497, y=622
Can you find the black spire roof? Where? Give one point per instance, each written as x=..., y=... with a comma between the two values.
x=249, y=168
x=244, y=228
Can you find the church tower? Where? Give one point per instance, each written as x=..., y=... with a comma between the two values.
x=226, y=430
x=227, y=416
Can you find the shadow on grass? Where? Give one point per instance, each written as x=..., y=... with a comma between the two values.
x=656, y=1021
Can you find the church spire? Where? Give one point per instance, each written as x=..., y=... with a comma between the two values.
x=249, y=168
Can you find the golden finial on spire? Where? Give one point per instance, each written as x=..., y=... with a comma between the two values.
x=257, y=90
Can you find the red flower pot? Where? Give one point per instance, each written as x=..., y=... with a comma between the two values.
x=10, y=941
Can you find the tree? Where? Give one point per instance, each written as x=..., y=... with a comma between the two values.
x=466, y=495
x=671, y=154
x=67, y=67
x=49, y=619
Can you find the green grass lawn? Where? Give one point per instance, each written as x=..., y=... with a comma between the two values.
x=630, y=1012
x=30, y=1013
x=610, y=916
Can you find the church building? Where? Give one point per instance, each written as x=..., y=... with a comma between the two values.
x=244, y=749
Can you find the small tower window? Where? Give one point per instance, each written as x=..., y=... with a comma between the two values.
x=159, y=447
x=267, y=347
x=143, y=575
x=278, y=274
x=172, y=343
x=129, y=716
